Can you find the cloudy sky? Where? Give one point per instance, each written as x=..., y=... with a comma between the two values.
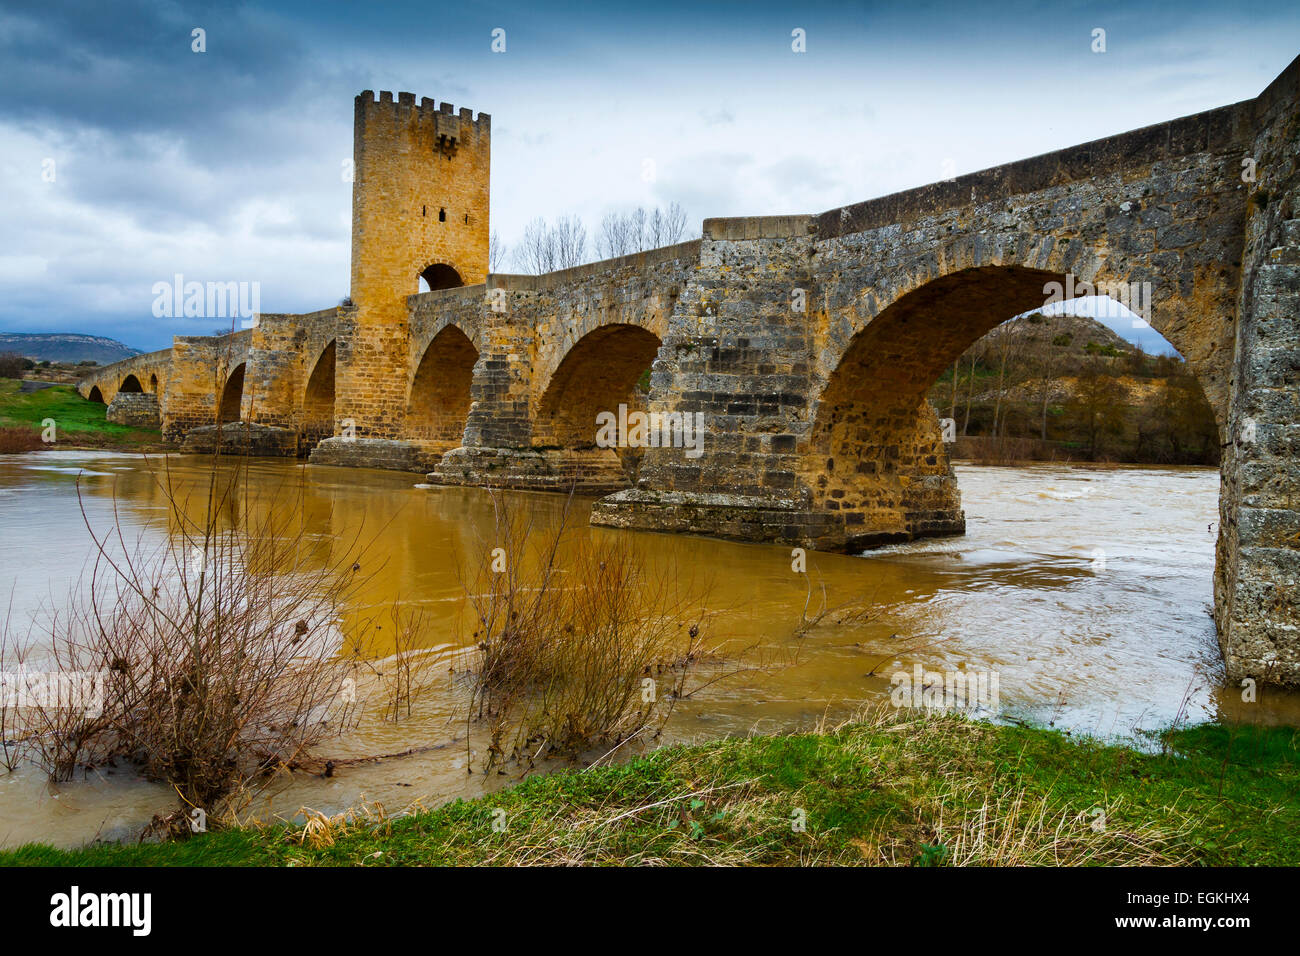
x=128, y=158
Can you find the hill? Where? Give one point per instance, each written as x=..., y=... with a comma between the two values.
x=65, y=347
x=1066, y=386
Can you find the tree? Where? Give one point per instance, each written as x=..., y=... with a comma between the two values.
x=12, y=365
x=623, y=233
x=1096, y=408
x=496, y=252
x=569, y=237
x=547, y=248
x=535, y=252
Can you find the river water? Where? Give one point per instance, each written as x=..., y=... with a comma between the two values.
x=1086, y=590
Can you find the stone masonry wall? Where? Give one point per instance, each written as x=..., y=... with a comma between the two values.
x=1257, y=573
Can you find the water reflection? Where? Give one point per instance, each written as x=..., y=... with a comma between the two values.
x=1087, y=590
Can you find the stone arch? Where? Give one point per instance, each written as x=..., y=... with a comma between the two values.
x=318, y=398
x=439, y=275
x=96, y=395
x=153, y=384
x=439, y=398
x=130, y=384
x=1193, y=310
x=597, y=374
x=232, y=396
x=874, y=455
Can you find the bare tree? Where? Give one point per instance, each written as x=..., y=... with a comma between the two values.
x=614, y=238
x=535, y=252
x=667, y=227
x=496, y=251
x=638, y=230
x=569, y=240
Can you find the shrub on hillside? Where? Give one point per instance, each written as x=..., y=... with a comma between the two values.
x=12, y=365
x=17, y=439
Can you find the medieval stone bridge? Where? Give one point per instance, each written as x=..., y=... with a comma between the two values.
x=808, y=343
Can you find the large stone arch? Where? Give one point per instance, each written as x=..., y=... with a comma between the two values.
x=973, y=282
x=130, y=384
x=438, y=399
x=598, y=373
x=318, y=398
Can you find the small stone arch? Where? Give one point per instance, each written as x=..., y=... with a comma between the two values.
x=232, y=396
x=153, y=384
x=439, y=275
x=601, y=371
x=95, y=395
x=318, y=398
x=439, y=397
x=130, y=384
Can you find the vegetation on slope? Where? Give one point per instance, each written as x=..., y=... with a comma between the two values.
x=78, y=422
x=1066, y=387
x=897, y=788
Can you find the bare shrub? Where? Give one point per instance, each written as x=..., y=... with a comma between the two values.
x=404, y=676
x=17, y=438
x=579, y=642
x=214, y=648
x=13, y=364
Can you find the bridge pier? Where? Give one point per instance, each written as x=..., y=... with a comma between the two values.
x=1257, y=572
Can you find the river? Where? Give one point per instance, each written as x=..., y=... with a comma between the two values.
x=1086, y=590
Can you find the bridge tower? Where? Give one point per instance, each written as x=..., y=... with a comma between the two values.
x=420, y=195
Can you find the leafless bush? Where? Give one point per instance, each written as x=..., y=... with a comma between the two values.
x=404, y=676
x=13, y=364
x=580, y=643
x=18, y=438
x=213, y=649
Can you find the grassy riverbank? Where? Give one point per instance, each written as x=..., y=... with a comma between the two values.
x=79, y=423
x=896, y=789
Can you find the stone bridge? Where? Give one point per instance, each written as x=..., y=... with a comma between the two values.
x=807, y=343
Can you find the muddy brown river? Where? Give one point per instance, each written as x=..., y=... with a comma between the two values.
x=1086, y=590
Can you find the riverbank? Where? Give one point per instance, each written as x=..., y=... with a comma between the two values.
x=78, y=423
x=897, y=788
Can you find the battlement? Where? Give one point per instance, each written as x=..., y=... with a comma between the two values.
x=439, y=117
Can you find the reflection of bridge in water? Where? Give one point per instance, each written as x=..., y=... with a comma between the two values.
x=808, y=342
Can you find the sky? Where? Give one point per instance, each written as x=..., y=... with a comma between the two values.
x=129, y=158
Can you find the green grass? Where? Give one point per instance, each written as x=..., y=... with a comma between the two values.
x=894, y=789
x=77, y=420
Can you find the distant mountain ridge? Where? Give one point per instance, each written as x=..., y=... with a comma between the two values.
x=65, y=347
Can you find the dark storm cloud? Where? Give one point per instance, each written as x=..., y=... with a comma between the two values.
x=129, y=67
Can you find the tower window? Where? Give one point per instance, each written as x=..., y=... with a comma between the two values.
x=424, y=210
x=442, y=215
